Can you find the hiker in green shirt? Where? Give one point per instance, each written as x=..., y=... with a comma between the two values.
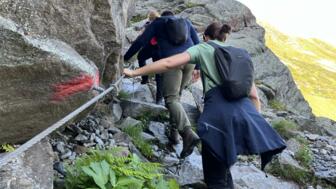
x=227, y=127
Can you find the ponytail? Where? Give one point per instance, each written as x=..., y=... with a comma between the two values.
x=217, y=31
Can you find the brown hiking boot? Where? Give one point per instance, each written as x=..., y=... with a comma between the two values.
x=174, y=136
x=190, y=140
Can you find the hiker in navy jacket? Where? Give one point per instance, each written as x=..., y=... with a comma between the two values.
x=173, y=81
x=151, y=50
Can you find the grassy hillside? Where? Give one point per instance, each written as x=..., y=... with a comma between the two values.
x=312, y=63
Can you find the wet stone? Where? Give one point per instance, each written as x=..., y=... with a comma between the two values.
x=81, y=138
x=67, y=154
x=60, y=147
x=99, y=141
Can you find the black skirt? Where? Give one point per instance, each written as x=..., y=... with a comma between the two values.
x=231, y=128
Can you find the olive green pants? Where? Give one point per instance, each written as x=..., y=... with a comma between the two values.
x=173, y=82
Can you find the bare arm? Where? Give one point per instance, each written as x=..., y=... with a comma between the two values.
x=254, y=97
x=160, y=66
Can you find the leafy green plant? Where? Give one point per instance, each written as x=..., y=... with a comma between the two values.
x=7, y=148
x=285, y=128
x=143, y=145
x=107, y=170
x=277, y=105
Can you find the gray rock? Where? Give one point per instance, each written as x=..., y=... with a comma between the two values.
x=91, y=144
x=129, y=122
x=135, y=108
x=66, y=154
x=282, y=113
x=147, y=136
x=189, y=105
x=46, y=43
x=273, y=73
x=178, y=149
x=197, y=92
x=73, y=156
x=323, y=151
x=111, y=143
x=286, y=158
x=59, y=167
x=60, y=147
x=113, y=130
x=159, y=131
x=99, y=142
x=137, y=91
x=92, y=137
x=32, y=170
x=327, y=125
x=107, y=121
x=131, y=34
x=170, y=161
x=97, y=132
x=270, y=93
x=312, y=137
x=81, y=138
x=248, y=176
x=191, y=170
x=293, y=145
x=263, y=99
x=104, y=135
x=116, y=112
x=47, y=56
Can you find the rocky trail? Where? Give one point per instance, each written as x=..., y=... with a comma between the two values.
x=103, y=131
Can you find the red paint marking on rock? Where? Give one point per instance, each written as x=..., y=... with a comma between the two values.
x=82, y=83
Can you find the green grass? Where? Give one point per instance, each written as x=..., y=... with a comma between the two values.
x=138, y=18
x=316, y=81
x=123, y=95
x=143, y=145
x=191, y=5
x=285, y=128
x=304, y=156
x=277, y=105
x=289, y=172
x=302, y=140
x=146, y=117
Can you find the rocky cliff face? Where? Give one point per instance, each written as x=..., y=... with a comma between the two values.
x=44, y=43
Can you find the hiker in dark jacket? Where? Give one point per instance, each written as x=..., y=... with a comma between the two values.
x=151, y=50
x=175, y=80
x=230, y=127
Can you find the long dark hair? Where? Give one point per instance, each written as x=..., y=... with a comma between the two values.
x=217, y=31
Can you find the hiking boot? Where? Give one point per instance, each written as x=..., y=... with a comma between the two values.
x=174, y=136
x=190, y=140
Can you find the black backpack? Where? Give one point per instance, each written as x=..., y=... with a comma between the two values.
x=177, y=30
x=236, y=70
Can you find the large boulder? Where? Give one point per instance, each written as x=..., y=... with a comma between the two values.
x=94, y=28
x=32, y=170
x=45, y=43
